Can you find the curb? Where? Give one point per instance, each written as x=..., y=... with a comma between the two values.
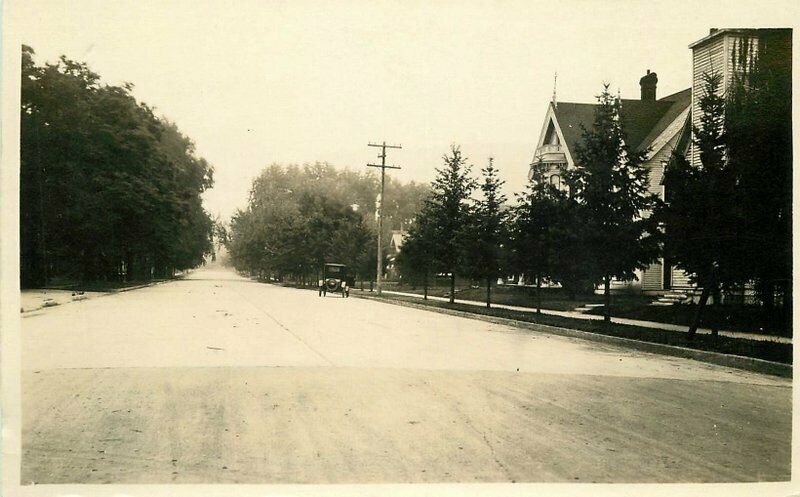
x=102, y=294
x=728, y=360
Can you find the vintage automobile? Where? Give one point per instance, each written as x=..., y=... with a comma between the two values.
x=334, y=279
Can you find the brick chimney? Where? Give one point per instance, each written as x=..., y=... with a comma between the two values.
x=648, y=84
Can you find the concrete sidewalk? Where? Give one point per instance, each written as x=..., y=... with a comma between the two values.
x=632, y=322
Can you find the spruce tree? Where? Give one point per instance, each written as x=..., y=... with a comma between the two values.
x=700, y=213
x=448, y=206
x=758, y=125
x=610, y=189
x=487, y=231
x=535, y=224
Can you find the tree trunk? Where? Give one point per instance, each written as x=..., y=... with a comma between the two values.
x=787, y=307
x=538, y=294
x=452, y=287
x=425, y=287
x=699, y=313
x=607, y=293
x=716, y=308
x=488, y=292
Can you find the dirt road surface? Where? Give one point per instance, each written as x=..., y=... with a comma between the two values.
x=217, y=379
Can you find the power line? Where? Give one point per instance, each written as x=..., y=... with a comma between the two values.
x=383, y=146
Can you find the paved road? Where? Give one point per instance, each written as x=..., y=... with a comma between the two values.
x=216, y=379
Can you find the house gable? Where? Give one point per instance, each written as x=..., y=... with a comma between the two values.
x=550, y=147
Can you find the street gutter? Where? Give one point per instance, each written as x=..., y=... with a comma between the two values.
x=720, y=359
x=83, y=298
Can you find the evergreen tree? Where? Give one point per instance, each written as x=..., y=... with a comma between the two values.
x=700, y=213
x=610, y=190
x=416, y=257
x=534, y=228
x=448, y=206
x=486, y=233
x=758, y=128
x=728, y=218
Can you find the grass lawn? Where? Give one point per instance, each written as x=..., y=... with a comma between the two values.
x=552, y=298
x=759, y=349
x=750, y=319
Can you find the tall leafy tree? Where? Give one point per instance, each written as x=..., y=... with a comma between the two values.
x=486, y=233
x=299, y=217
x=610, y=188
x=108, y=190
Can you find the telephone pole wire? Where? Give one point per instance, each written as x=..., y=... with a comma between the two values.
x=379, y=265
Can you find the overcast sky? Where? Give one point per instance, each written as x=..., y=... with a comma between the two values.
x=257, y=82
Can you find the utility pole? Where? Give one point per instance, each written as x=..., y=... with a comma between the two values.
x=383, y=166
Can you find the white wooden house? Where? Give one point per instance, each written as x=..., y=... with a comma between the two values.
x=659, y=125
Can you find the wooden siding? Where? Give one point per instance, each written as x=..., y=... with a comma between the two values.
x=655, y=166
x=652, y=276
x=716, y=55
x=706, y=59
x=680, y=280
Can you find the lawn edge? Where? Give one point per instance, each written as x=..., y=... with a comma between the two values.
x=729, y=360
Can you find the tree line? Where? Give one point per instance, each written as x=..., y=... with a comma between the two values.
x=299, y=217
x=595, y=227
x=109, y=191
x=726, y=220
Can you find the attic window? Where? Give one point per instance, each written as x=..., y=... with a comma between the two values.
x=551, y=138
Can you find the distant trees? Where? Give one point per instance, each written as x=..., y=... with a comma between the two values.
x=108, y=190
x=298, y=218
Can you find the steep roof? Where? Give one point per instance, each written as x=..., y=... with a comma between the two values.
x=644, y=120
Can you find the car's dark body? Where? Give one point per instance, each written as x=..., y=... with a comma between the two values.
x=335, y=279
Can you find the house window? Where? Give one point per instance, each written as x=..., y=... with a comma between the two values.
x=555, y=180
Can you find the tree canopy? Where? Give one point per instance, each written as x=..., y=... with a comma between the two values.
x=299, y=217
x=108, y=190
